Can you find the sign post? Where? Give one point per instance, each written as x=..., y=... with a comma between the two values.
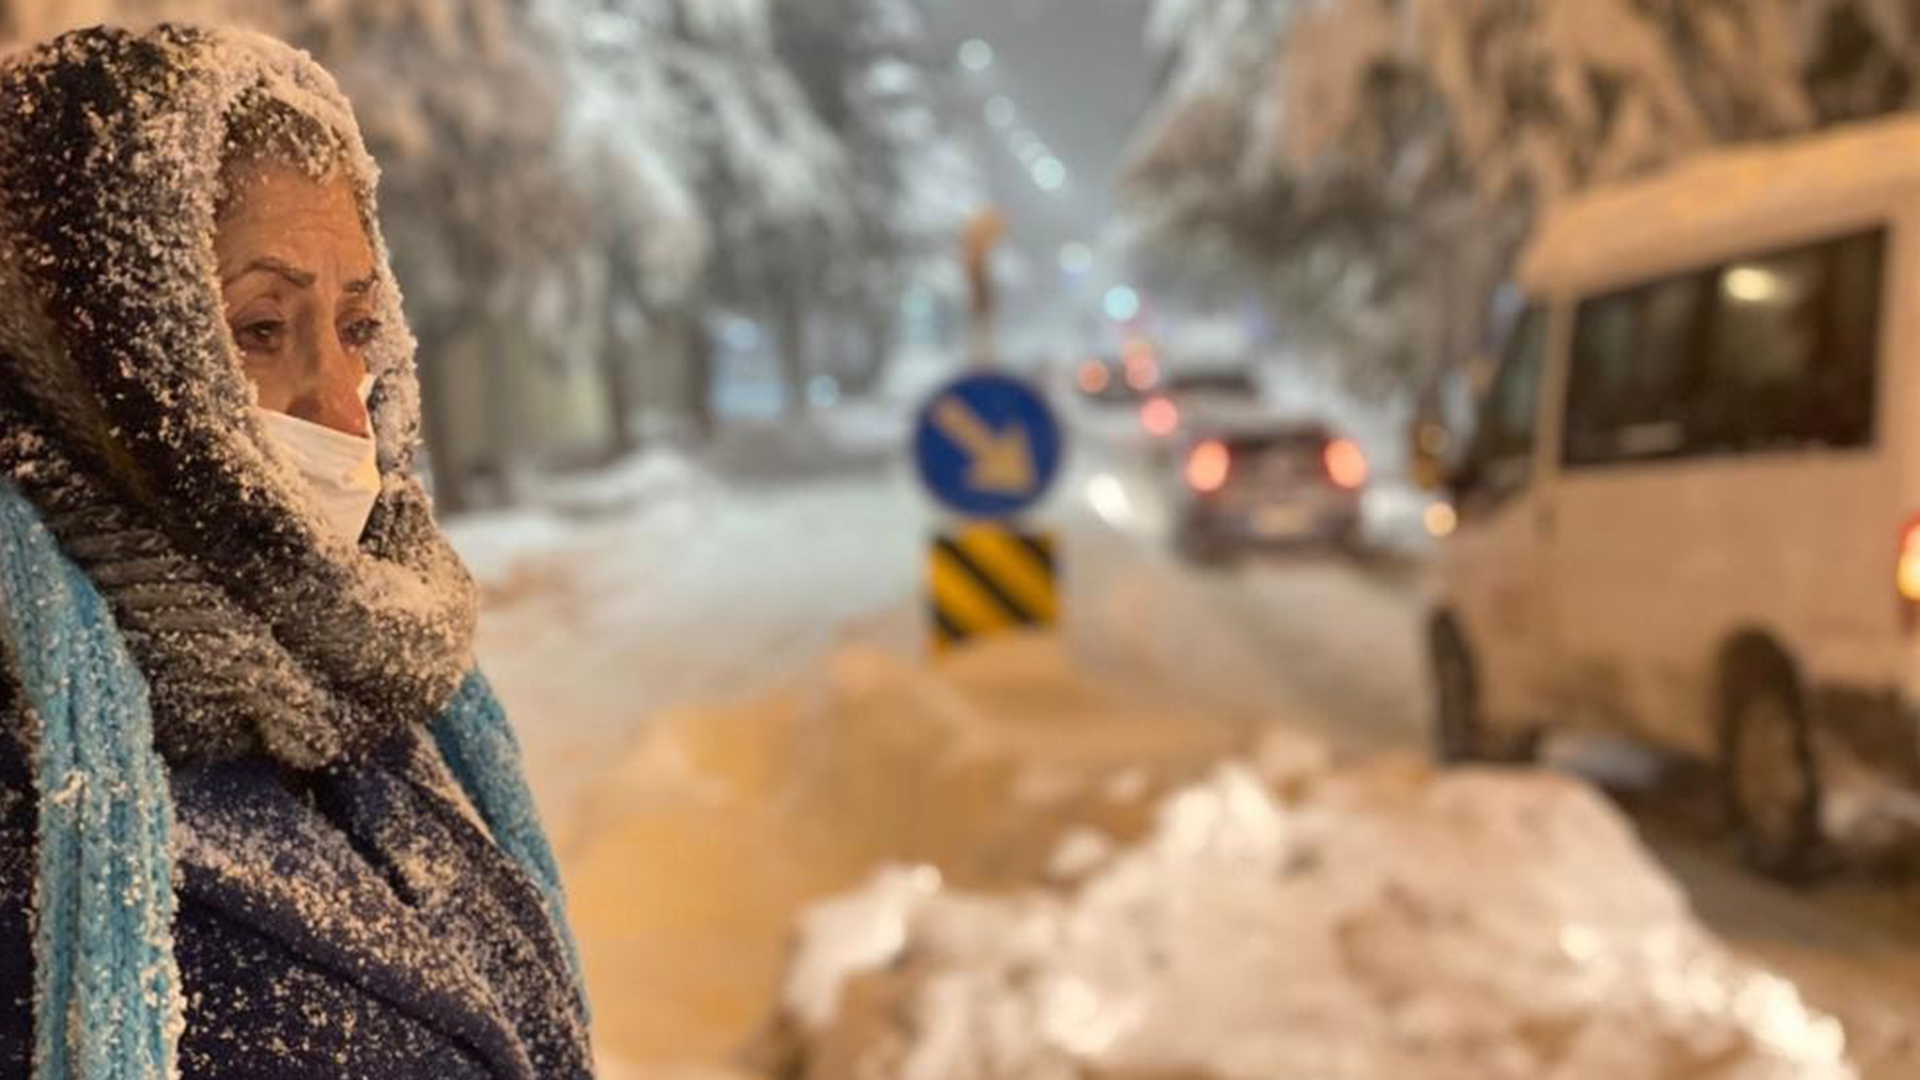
x=982, y=235
x=988, y=449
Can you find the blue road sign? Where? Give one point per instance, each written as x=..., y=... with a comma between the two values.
x=987, y=446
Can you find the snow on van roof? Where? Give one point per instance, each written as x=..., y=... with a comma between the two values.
x=1758, y=194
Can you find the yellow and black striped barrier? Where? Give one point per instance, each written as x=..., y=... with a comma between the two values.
x=989, y=579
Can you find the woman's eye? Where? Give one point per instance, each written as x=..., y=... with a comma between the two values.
x=361, y=332
x=261, y=335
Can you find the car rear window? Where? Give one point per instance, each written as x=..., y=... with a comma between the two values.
x=1306, y=443
x=1221, y=384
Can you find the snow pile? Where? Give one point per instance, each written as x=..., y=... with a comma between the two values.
x=1379, y=925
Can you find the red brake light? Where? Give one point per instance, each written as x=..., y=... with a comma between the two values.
x=1906, y=573
x=1094, y=377
x=1208, y=465
x=1143, y=370
x=1346, y=464
x=1160, y=416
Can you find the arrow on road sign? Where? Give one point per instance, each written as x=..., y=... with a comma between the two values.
x=1001, y=461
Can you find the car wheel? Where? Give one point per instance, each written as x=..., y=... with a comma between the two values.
x=1459, y=735
x=1771, y=776
x=1460, y=731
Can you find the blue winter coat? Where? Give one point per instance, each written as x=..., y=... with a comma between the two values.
x=310, y=943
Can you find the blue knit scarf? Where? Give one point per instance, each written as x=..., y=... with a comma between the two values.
x=107, y=994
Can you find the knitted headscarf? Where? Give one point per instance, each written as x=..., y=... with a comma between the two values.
x=125, y=413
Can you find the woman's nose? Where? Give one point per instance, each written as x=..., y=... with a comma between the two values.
x=329, y=393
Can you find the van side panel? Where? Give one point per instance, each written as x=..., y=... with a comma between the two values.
x=1657, y=570
x=1656, y=566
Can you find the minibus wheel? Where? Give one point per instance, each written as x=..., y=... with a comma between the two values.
x=1459, y=734
x=1772, y=780
x=1460, y=731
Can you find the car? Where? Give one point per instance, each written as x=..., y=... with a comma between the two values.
x=1121, y=379
x=1689, y=511
x=1199, y=396
x=1265, y=486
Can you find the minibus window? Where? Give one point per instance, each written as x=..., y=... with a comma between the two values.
x=1771, y=352
x=1500, y=462
x=1632, y=363
x=1792, y=350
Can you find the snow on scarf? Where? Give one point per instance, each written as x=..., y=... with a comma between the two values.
x=124, y=410
x=107, y=992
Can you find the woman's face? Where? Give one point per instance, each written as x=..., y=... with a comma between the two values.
x=298, y=279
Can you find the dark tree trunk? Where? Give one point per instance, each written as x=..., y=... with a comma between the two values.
x=874, y=330
x=504, y=414
x=790, y=312
x=451, y=492
x=616, y=368
x=689, y=329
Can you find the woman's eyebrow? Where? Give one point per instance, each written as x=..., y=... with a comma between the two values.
x=298, y=277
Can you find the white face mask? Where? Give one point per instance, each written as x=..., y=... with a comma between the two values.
x=342, y=471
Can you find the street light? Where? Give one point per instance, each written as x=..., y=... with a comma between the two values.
x=976, y=55
x=1050, y=173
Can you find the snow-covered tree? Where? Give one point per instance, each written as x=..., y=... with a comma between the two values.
x=715, y=181
x=868, y=70
x=1214, y=201
x=1380, y=160
x=628, y=148
x=774, y=176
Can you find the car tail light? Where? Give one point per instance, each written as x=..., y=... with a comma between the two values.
x=1143, y=371
x=1094, y=377
x=1346, y=465
x=1906, y=573
x=1160, y=416
x=1208, y=465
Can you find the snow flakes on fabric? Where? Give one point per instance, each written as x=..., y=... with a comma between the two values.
x=107, y=1005
x=124, y=410
x=463, y=937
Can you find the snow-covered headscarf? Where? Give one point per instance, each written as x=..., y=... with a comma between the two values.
x=125, y=413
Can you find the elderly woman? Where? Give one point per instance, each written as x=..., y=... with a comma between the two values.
x=258, y=815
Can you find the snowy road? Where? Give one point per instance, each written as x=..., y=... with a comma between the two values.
x=708, y=672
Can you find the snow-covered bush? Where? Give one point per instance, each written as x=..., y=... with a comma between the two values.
x=1384, y=924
